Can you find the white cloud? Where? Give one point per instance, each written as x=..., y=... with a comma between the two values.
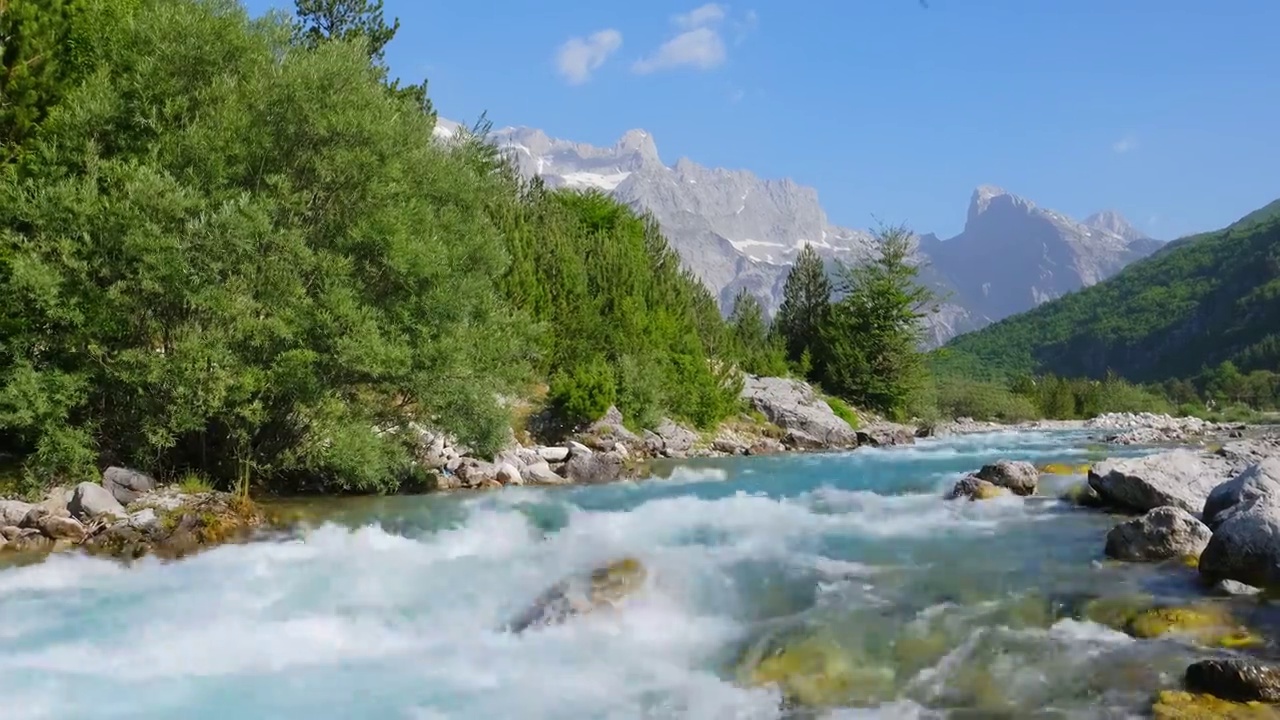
x=579, y=57
x=701, y=48
x=708, y=14
x=1125, y=144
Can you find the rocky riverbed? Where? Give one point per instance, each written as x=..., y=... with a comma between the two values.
x=1215, y=510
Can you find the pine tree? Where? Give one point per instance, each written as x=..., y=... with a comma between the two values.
x=806, y=297
x=34, y=65
x=757, y=350
x=870, y=341
x=359, y=20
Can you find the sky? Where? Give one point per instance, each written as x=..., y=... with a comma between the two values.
x=1165, y=110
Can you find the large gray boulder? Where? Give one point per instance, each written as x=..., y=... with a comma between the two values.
x=1260, y=482
x=1017, y=476
x=13, y=511
x=677, y=440
x=127, y=485
x=1180, y=478
x=794, y=405
x=1161, y=534
x=1246, y=547
x=89, y=500
x=593, y=469
x=1238, y=680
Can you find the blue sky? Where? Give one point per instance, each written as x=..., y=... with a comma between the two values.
x=1165, y=110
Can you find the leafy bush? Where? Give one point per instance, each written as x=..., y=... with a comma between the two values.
x=586, y=392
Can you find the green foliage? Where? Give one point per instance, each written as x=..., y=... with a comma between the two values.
x=843, y=411
x=981, y=400
x=246, y=261
x=586, y=391
x=806, y=299
x=1194, y=304
x=35, y=66
x=869, y=338
x=757, y=350
x=362, y=22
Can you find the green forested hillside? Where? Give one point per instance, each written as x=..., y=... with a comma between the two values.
x=1199, y=302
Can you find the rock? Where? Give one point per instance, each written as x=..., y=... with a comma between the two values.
x=605, y=587
x=1084, y=495
x=1019, y=478
x=553, y=454
x=609, y=430
x=886, y=434
x=31, y=540
x=453, y=465
x=10, y=532
x=800, y=440
x=593, y=469
x=507, y=474
x=1180, y=478
x=677, y=440
x=144, y=520
x=89, y=500
x=1260, y=482
x=1178, y=705
x=1236, y=680
x=1245, y=547
x=477, y=473
x=526, y=457
x=975, y=488
x=1207, y=623
x=729, y=445
x=654, y=445
x=1162, y=534
x=577, y=448
x=540, y=473
x=766, y=446
x=61, y=528
x=13, y=511
x=126, y=485
x=812, y=670
x=794, y=405
x=57, y=500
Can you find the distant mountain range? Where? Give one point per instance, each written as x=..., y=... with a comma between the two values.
x=734, y=229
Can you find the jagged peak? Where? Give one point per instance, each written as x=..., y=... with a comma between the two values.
x=639, y=142
x=984, y=196
x=1113, y=222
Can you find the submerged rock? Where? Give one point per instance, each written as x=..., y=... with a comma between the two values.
x=1018, y=477
x=1162, y=534
x=975, y=488
x=814, y=671
x=605, y=586
x=1206, y=623
x=1179, y=705
x=1064, y=469
x=1236, y=679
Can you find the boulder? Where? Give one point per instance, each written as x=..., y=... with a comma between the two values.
x=766, y=446
x=1180, y=478
x=144, y=520
x=125, y=484
x=1162, y=534
x=508, y=474
x=553, y=454
x=1019, y=478
x=606, y=431
x=800, y=440
x=89, y=500
x=540, y=473
x=794, y=405
x=56, y=525
x=605, y=587
x=593, y=469
x=1237, y=680
x=886, y=434
x=1260, y=482
x=729, y=445
x=10, y=532
x=13, y=511
x=1246, y=547
x=975, y=488
x=577, y=448
x=677, y=440
x=477, y=473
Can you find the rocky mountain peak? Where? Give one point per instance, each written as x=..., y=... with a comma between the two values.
x=1114, y=223
x=989, y=198
x=638, y=142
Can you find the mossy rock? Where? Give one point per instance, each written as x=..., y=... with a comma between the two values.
x=814, y=671
x=1064, y=469
x=615, y=581
x=1208, y=624
x=605, y=586
x=1179, y=705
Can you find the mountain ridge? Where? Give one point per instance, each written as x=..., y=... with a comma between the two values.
x=736, y=230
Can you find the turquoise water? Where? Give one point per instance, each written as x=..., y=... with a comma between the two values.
x=393, y=607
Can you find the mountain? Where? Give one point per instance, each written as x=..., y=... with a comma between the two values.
x=735, y=230
x=1196, y=302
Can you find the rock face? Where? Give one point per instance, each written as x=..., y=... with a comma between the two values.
x=1179, y=478
x=1162, y=534
x=793, y=405
x=1235, y=680
x=734, y=230
x=1020, y=478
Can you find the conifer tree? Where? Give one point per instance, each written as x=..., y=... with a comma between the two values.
x=806, y=297
x=758, y=350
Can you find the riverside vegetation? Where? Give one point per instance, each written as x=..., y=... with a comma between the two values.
x=254, y=264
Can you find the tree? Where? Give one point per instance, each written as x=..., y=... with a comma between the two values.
x=359, y=21
x=757, y=350
x=34, y=66
x=806, y=298
x=871, y=337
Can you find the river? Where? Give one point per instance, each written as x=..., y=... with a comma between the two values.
x=394, y=607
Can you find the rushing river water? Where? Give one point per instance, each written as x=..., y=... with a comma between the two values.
x=394, y=607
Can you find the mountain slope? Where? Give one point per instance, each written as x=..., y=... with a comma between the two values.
x=1197, y=302
x=735, y=230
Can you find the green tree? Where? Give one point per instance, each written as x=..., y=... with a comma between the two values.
x=247, y=261
x=806, y=299
x=871, y=337
x=757, y=350
x=35, y=66
x=359, y=21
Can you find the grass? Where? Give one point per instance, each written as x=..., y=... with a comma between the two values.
x=194, y=483
x=843, y=411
